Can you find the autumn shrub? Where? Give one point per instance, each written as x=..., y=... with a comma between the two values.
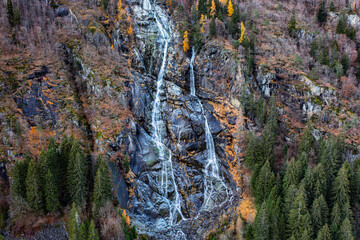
x=110, y=222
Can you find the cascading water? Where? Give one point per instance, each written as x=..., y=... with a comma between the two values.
x=215, y=186
x=167, y=178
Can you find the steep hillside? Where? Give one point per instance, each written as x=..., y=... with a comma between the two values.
x=210, y=118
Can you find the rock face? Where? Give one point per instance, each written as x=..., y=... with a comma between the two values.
x=175, y=212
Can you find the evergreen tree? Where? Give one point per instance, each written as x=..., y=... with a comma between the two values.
x=84, y=230
x=73, y=227
x=345, y=61
x=77, y=175
x=64, y=155
x=299, y=218
x=342, y=24
x=251, y=150
x=51, y=193
x=355, y=182
x=291, y=174
x=102, y=185
x=324, y=233
x=320, y=183
x=53, y=162
x=332, y=6
x=292, y=25
x=260, y=110
x=335, y=219
x=346, y=230
x=341, y=187
x=18, y=186
x=306, y=142
x=322, y=13
x=261, y=225
x=290, y=195
x=10, y=13
x=264, y=183
x=34, y=194
x=93, y=233
x=319, y=213
x=213, y=28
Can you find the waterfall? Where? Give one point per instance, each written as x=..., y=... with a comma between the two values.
x=167, y=181
x=214, y=183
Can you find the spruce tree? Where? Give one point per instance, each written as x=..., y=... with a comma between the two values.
x=73, y=227
x=34, y=193
x=93, y=233
x=319, y=213
x=292, y=25
x=335, y=219
x=299, y=218
x=346, y=230
x=213, y=28
x=264, y=183
x=262, y=225
x=53, y=162
x=307, y=141
x=291, y=174
x=320, y=183
x=10, y=12
x=345, y=61
x=341, y=187
x=77, y=175
x=251, y=150
x=102, y=185
x=355, y=182
x=51, y=193
x=84, y=230
x=322, y=13
x=18, y=183
x=260, y=110
x=324, y=233
x=332, y=6
x=342, y=24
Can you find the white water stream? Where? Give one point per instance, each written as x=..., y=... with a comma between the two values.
x=215, y=187
x=167, y=182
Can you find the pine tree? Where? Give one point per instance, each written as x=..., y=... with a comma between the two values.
x=51, y=193
x=307, y=141
x=73, y=227
x=18, y=183
x=84, y=230
x=292, y=25
x=341, y=187
x=102, y=185
x=345, y=61
x=34, y=193
x=77, y=175
x=346, y=230
x=335, y=219
x=292, y=175
x=322, y=13
x=264, y=183
x=320, y=183
x=319, y=213
x=299, y=218
x=324, y=233
x=262, y=225
x=93, y=233
x=213, y=27
x=10, y=12
x=342, y=24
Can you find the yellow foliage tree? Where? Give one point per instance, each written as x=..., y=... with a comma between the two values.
x=213, y=8
x=120, y=10
x=130, y=30
x=242, y=30
x=186, y=41
x=168, y=3
x=230, y=9
x=197, y=5
x=202, y=23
